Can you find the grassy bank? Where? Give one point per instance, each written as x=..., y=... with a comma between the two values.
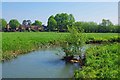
x=101, y=62
x=22, y=42
x=19, y=43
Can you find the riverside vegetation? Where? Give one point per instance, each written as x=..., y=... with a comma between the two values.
x=101, y=62
x=73, y=45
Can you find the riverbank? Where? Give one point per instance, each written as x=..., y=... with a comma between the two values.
x=15, y=43
x=101, y=62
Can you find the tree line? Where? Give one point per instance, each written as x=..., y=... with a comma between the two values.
x=59, y=22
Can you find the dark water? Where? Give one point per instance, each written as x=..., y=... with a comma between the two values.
x=38, y=64
x=0, y=71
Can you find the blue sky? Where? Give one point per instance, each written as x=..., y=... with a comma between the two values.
x=60, y=0
x=82, y=11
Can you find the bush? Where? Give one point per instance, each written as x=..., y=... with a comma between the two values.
x=101, y=62
x=74, y=42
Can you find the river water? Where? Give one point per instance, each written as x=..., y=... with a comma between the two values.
x=38, y=64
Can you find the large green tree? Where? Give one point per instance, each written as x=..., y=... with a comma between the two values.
x=64, y=20
x=52, y=24
x=14, y=23
x=3, y=23
x=37, y=23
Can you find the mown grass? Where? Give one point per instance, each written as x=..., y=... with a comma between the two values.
x=14, y=43
x=101, y=62
x=19, y=43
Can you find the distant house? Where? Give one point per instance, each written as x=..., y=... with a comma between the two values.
x=7, y=29
x=28, y=28
x=45, y=28
x=22, y=28
x=35, y=28
x=38, y=28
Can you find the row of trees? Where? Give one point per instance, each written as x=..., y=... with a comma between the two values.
x=105, y=26
x=61, y=22
x=14, y=23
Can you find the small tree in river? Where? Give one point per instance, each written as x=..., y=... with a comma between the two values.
x=74, y=43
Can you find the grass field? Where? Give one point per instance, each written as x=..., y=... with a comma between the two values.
x=14, y=43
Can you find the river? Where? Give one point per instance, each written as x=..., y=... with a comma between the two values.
x=43, y=63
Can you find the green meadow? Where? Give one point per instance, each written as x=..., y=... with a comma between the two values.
x=15, y=43
x=20, y=43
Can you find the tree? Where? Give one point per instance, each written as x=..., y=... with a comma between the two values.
x=73, y=44
x=3, y=23
x=52, y=24
x=64, y=20
x=14, y=23
x=29, y=22
x=105, y=26
x=26, y=22
x=92, y=26
x=106, y=22
x=71, y=20
x=87, y=26
x=37, y=23
x=116, y=28
x=58, y=19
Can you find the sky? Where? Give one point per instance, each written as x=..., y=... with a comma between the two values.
x=119, y=13
x=59, y=0
x=82, y=11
